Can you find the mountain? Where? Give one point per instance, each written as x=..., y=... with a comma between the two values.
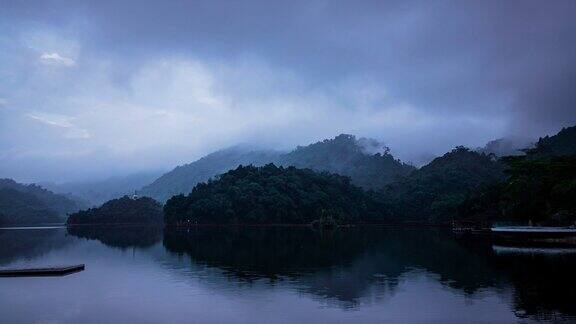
x=561, y=144
x=540, y=185
x=183, y=178
x=96, y=193
x=369, y=164
x=273, y=195
x=21, y=208
x=434, y=192
x=61, y=204
x=124, y=210
x=32, y=204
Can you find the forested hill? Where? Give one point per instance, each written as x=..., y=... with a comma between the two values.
x=183, y=178
x=540, y=186
x=369, y=164
x=435, y=191
x=274, y=195
x=366, y=162
x=561, y=144
x=32, y=204
x=124, y=210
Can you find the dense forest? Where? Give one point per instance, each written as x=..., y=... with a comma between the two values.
x=368, y=163
x=183, y=178
x=274, y=195
x=540, y=185
x=31, y=204
x=435, y=191
x=123, y=210
x=344, y=179
x=21, y=208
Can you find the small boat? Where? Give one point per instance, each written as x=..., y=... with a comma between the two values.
x=37, y=272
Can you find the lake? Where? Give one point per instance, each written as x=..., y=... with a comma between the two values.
x=282, y=275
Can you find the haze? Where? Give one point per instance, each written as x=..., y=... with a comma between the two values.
x=92, y=89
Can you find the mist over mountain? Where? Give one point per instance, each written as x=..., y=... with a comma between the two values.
x=507, y=146
x=183, y=178
x=366, y=161
x=96, y=193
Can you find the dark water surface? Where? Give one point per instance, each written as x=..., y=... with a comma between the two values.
x=282, y=275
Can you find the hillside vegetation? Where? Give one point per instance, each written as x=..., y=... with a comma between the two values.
x=435, y=191
x=273, y=195
x=123, y=210
x=31, y=204
x=540, y=185
x=369, y=165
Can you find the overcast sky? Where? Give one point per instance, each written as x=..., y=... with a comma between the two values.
x=92, y=89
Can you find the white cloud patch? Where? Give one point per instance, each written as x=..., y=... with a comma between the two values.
x=62, y=122
x=3, y=103
x=55, y=59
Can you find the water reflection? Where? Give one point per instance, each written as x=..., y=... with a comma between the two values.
x=346, y=269
x=119, y=236
x=343, y=264
x=26, y=244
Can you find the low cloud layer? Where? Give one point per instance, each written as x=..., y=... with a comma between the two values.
x=95, y=89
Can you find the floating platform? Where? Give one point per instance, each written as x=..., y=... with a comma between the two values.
x=42, y=272
x=534, y=231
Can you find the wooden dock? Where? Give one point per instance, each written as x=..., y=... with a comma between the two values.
x=42, y=272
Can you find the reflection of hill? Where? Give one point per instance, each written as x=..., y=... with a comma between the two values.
x=545, y=285
x=341, y=265
x=30, y=243
x=119, y=236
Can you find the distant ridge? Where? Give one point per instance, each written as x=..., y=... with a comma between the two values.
x=32, y=204
x=368, y=163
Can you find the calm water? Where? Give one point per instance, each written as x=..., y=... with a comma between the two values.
x=282, y=275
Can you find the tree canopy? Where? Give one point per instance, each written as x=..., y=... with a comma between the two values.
x=123, y=210
x=273, y=195
x=434, y=192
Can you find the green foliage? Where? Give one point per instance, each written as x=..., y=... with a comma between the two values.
x=183, y=178
x=62, y=205
x=366, y=162
x=22, y=208
x=123, y=210
x=434, y=192
x=369, y=164
x=273, y=195
x=536, y=189
x=563, y=143
x=541, y=185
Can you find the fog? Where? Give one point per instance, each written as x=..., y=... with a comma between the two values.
x=94, y=89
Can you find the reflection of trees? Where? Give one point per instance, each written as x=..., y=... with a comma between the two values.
x=341, y=265
x=30, y=243
x=119, y=236
x=544, y=285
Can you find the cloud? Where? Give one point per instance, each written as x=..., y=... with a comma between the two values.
x=3, y=103
x=54, y=59
x=168, y=83
x=63, y=122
